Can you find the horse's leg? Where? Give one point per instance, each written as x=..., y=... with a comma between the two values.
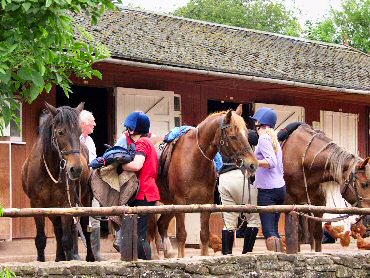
x=151, y=235
x=180, y=234
x=67, y=240
x=84, y=221
x=40, y=240
x=163, y=223
x=204, y=232
x=60, y=256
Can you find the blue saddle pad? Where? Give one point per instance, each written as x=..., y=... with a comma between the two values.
x=114, y=154
x=176, y=132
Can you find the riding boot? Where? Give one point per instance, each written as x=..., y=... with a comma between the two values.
x=75, y=255
x=250, y=235
x=227, y=241
x=95, y=244
x=274, y=244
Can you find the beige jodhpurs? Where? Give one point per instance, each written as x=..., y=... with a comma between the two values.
x=231, y=193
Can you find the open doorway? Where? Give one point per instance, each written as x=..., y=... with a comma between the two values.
x=98, y=101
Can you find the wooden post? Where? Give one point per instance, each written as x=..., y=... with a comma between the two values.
x=128, y=238
x=291, y=232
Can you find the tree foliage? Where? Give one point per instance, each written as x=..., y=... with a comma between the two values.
x=38, y=48
x=352, y=21
x=264, y=15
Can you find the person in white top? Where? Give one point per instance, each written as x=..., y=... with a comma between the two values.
x=87, y=123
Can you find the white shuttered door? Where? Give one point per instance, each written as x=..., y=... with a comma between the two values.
x=159, y=106
x=342, y=128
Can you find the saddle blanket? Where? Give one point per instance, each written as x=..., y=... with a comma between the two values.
x=176, y=132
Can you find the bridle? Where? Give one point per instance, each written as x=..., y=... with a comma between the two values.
x=223, y=145
x=61, y=154
x=351, y=184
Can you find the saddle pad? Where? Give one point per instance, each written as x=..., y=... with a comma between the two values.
x=176, y=132
x=284, y=133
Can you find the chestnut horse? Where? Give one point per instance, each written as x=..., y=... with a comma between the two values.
x=311, y=158
x=191, y=175
x=55, y=175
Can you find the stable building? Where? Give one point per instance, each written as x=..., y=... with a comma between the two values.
x=179, y=70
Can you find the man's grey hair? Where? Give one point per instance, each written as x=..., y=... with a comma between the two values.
x=85, y=116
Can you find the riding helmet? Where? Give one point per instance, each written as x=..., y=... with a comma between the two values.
x=265, y=116
x=138, y=121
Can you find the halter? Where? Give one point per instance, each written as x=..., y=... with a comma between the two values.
x=61, y=154
x=225, y=141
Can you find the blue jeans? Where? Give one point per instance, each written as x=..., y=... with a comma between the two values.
x=143, y=247
x=270, y=221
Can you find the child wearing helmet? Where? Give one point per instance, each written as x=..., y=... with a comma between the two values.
x=269, y=177
x=145, y=164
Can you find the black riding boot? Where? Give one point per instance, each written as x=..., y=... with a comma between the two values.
x=227, y=241
x=250, y=235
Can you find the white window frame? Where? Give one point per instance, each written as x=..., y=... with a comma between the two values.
x=7, y=131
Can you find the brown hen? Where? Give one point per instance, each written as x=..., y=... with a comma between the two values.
x=334, y=231
x=215, y=242
x=361, y=243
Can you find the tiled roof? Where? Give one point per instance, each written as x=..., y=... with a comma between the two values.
x=166, y=40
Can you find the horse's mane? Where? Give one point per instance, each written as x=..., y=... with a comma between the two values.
x=337, y=158
x=66, y=116
x=236, y=120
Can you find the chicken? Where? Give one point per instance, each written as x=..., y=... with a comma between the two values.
x=345, y=239
x=334, y=231
x=215, y=243
x=361, y=243
x=358, y=228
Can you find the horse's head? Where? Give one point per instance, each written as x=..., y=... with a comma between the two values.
x=358, y=185
x=62, y=131
x=234, y=142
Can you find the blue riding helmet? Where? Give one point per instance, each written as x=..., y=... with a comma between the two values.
x=138, y=122
x=265, y=116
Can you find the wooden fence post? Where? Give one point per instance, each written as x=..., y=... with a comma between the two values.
x=128, y=240
x=291, y=233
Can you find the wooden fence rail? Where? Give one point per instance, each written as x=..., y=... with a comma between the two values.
x=122, y=210
x=128, y=241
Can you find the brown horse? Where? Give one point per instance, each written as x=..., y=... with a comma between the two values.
x=55, y=174
x=310, y=159
x=191, y=174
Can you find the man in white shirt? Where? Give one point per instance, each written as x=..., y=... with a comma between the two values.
x=87, y=123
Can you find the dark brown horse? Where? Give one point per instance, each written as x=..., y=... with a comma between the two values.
x=310, y=159
x=55, y=174
x=191, y=174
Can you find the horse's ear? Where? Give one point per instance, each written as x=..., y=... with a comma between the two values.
x=228, y=116
x=80, y=107
x=51, y=109
x=364, y=163
x=239, y=110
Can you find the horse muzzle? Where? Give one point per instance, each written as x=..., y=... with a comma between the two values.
x=74, y=172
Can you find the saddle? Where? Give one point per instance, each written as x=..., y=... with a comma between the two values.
x=284, y=133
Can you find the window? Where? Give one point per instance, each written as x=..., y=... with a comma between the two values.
x=12, y=132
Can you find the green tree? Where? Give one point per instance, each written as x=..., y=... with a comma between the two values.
x=264, y=15
x=38, y=48
x=352, y=21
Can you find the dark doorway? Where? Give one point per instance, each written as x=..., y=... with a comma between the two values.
x=98, y=101
x=220, y=105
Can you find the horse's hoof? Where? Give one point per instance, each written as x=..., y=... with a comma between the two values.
x=90, y=259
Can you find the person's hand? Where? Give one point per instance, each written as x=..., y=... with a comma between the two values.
x=158, y=203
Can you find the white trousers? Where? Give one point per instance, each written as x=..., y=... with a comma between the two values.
x=232, y=193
